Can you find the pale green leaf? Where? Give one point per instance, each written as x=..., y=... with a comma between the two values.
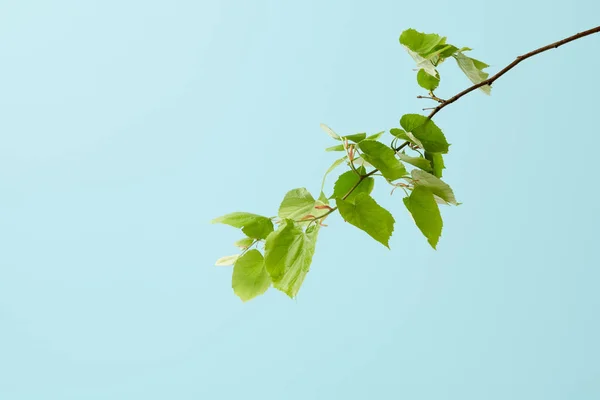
x=437, y=162
x=473, y=69
x=323, y=198
x=383, y=158
x=254, y=226
x=330, y=132
x=227, y=260
x=357, y=137
x=434, y=184
x=333, y=166
x=339, y=147
x=418, y=162
x=426, y=213
x=288, y=254
x=422, y=63
x=426, y=131
x=296, y=204
x=347, y=181
x=375, y=136
x=250, y=277
x=427, y=81
x=244, y=243
x=364, y=213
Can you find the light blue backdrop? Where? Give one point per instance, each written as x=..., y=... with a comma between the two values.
x=125, y=126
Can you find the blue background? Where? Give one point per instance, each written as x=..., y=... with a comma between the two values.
x=127, y=125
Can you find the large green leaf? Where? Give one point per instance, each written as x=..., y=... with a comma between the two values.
x=383, y=158
x=347, y=181
x=421, y=43
x=296, y=204
x=288, y=254
x=473, y=69
x=254, y=226
x=250, y=278
x=364, y=213
x=434, y=184
x=427, y=81
x=426, y=131
x=418, y=162
x=437, y=162
x=425, y=213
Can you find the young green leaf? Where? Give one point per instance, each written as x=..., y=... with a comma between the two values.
x=288, y=254
x=357, y=137
x=434, y=184
x=339, y=147
x=296, y=204
x=226, y=261
x=418, y=162
x=347, y=181
x=323, y=198
x=399, y=133
x=473, y=69
x=254, y=226
x=426, y=131
x=364, y=213
x=420, y=43
x=425, y=213
x=375, y=136
x=437, y=162
x=330, y=132
x=250, y=277
x=333, y=166
x=427, y=81
x=244, y=243
x=383, y=158
x=423, y=63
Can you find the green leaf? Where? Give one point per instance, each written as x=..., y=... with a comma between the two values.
x=250, y=277
x=420, y=43
x=323, y=198
x=357, y=137
x=333, y=166
x=437, y=161
x=375, y=136
x=426, y=131
x=244, y=243
x=366, y=214
x=348, y=180
x=473, y=69
x=418, y=162
x=330, y=132
x=227, y=260
x=339, y=147
x=288, y=254
x=399, y=133
x=434, y=184
x=296, y=204
x=427, y=81
x=383, y=158
x=254, y=226
x=425, y=213
x=443, y=51
x=423, y=63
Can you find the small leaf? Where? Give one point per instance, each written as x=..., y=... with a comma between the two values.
x=400, y=134
x=434, y=184
x=426, y=131
x=323, y=198
x=420, y=43
x=383, y=158
x=333, y=166
x=330, y=132
x=254, y=226
x=226, y=261
x=437, y=162
x=418, y=162
x=366, y=214
x=357, y=137
x=296, y=204
x=473, y=70
x=425, y=213
x=423, y=63
x=375, y=136
x=244, y=243
x=348, y=180
x=427, y=81
x=339, y=147
x=288, y=255
x=250, y=278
